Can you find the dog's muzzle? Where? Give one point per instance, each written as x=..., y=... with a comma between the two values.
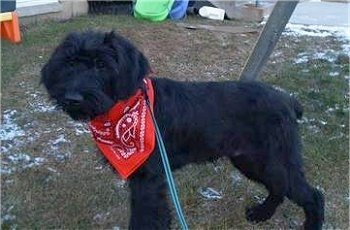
x=73, y=99
x=73, y=104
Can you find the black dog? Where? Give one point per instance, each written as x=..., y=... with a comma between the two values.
x=252, y=124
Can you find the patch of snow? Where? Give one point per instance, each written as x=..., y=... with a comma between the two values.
x=218, y=167
x=121, y=183
x=346, y=47
x=51, y=169
x=19, y=157
x=14, y=141
x=79, y=127
x=323, y=122
x=60, y=139
x=312, y=121
x=100, y=167
x=341, y=32
x=210, y=193
x=301, y=58
x=36, y=101
x=11, y=181
x=60, y=155
x=35, y=162
x=9, y=130
x=5, y=169
x=236, y=177
x=8, y=216
x=313, y=90
x=13, y=153
x=259, y=198
x=306, y=120
x=38, y=104
x=58, y=147
x=314, y=129
x=16, y=138
x=321, y=189
x=340, y=136
x=337, y=108
x=334, y=74
x=305, y=30
x=43, y=108
x=101, y=217
x=329, y=55
x=5, y=147
x=279, y=88
x=313, y=124
x=347, y=197
x=333, y=109
x=18, y=161
x=317, y=31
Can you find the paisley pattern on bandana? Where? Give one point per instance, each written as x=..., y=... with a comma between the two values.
x=125, y=134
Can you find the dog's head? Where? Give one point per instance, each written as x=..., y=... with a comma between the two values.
x=90, y=71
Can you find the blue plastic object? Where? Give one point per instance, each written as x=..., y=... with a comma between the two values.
x=178, y=11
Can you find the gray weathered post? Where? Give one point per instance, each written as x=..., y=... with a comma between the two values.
x=267, y=40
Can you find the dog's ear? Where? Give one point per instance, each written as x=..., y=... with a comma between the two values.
x=131, y=63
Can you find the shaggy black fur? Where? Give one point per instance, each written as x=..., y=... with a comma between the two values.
x=252, y=124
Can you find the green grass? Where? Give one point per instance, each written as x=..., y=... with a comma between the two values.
x=74, y=189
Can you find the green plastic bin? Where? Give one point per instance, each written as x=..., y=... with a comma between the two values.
x=153, y=10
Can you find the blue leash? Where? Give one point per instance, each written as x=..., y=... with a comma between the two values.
x=167, y=169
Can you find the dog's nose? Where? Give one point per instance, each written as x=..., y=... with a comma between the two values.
x=73, y=98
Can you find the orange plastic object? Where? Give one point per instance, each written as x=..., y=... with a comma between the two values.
x=10, y=27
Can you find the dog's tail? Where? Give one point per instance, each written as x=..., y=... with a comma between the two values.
x=298, y=108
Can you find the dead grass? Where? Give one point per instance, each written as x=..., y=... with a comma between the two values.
x=72, y=187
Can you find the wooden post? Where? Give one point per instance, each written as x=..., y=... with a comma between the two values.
x=267, y=40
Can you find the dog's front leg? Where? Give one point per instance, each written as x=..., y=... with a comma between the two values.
x=149, y=207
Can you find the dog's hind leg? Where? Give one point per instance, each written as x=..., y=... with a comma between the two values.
x=273, y=176
x=275, y=181
x=309, y=198
x=149, y=207
x=300, y=191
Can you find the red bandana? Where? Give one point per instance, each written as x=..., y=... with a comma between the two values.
x=125, y=134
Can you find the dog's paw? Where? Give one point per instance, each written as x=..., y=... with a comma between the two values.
x=258, y=213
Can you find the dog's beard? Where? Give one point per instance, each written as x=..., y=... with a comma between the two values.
x=94, y=103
